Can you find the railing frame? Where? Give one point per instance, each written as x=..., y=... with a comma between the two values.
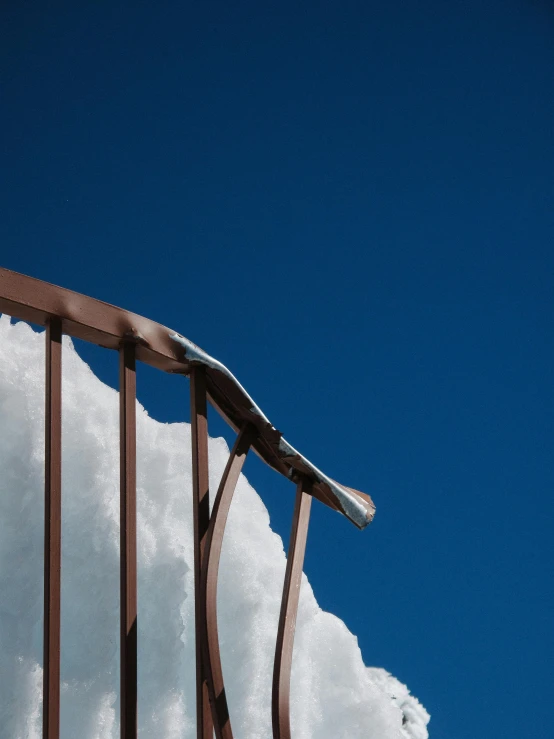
x=139, y=339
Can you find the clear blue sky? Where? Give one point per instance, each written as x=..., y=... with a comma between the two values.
x=351, y=205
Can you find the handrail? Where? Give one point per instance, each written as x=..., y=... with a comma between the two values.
x=106, y=325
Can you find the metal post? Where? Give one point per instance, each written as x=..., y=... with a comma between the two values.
x=210, y=570
x=201, y=517
x=128, y=540
x=52, y=530
x=280, y=704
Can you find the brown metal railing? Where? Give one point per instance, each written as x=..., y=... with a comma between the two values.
x=136, y=338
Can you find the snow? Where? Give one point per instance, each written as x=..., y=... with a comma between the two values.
x=334, y=695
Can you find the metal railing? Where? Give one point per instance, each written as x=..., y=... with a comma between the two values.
x=136, y=338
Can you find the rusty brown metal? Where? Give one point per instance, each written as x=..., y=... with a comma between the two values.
x=280, y=701
x=52, y=530
x=128, y=540
x=138, y=338
x=201, y=520
x=106, y=325
x=210, y=569
x=89, y=319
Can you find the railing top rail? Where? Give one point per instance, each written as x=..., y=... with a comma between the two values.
x=100, y=323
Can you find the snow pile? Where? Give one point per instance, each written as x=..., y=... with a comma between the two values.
x=333, y=694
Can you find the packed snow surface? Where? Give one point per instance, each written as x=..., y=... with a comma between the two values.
x=334, y=695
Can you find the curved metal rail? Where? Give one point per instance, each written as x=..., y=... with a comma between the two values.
x=208, y=587
x=138, y=339
x=280, y=699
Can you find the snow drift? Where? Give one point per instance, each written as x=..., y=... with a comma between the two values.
x=334, y=696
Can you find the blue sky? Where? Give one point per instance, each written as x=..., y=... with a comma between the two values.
x=351, y=205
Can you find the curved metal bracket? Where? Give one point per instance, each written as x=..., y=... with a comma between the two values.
x=208, y=587
x=280, y=700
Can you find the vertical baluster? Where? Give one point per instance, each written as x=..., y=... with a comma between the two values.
x=201, y=517
x=280, y=704
x=210, y=571
x=128, y=540
x=52, y=530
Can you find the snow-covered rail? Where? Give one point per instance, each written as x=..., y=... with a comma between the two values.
x=63, y=311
